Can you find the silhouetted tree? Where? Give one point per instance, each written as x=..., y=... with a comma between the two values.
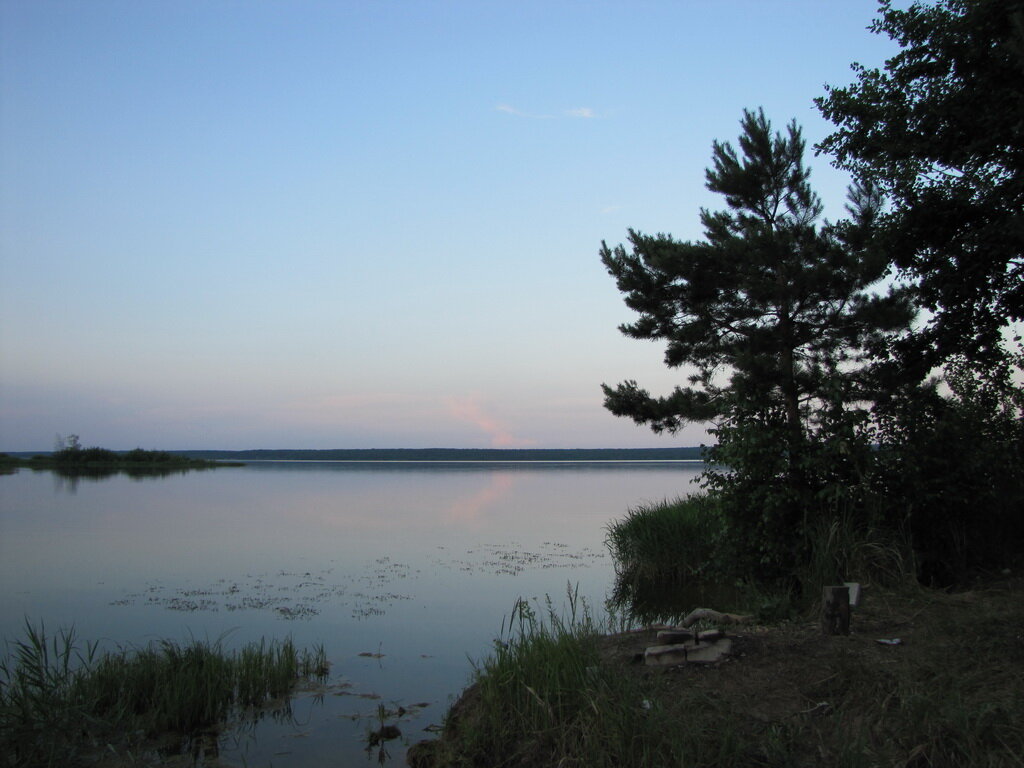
x=941, y=132
x=776, y=313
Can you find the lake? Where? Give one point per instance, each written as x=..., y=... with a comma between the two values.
x=415, y=564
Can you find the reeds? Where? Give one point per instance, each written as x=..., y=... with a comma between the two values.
x=60, y=701
x=685, y=542
x=671, y=541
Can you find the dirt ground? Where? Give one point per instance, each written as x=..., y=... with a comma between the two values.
x=779, y=671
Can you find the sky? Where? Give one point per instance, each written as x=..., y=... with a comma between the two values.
x=361, y=224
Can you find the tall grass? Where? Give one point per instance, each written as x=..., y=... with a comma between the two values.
x=544, y=697
x=843, y=548
x=41, y=715
x=682, y=546
x=671, y=541
x=60, y=701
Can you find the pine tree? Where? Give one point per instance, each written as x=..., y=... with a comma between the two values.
x=776, y=314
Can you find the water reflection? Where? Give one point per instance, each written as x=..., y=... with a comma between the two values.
x=642, y=600
x=602, y=466
x=470, y=508
x=68, y=480
x=424, y=560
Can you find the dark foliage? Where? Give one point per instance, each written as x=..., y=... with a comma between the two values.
x=941, y=132
x=75, y=456
x=951, y=471
x=777, y=315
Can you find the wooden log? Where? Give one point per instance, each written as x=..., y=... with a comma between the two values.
x=716, y=617
x=835, y=610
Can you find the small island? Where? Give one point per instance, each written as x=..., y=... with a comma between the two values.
x=73, y=459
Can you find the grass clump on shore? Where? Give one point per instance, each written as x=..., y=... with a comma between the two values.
x=61, y=701
x=687, y=548
x=546, y=696
x=671, y=541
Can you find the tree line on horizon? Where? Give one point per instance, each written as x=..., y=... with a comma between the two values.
x=693, y=453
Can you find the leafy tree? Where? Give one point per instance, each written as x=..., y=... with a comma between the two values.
x=69, y=443
x=777, y=314
x=941, y=132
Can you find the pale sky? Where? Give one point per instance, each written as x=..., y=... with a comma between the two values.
x=365, y=224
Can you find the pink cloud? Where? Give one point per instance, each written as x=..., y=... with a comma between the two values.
x=468, y=409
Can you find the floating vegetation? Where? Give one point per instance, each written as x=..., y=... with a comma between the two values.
x=386, y=719
x=184, y=604
x=302, y=595
x=366, y=611
x=513, y=559
x=288, y=595
x=296, y=612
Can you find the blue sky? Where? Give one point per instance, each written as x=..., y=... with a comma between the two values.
x=364, y=224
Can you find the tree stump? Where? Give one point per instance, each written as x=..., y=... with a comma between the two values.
x=835, y=610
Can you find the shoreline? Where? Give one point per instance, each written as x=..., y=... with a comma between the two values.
x=786, y=693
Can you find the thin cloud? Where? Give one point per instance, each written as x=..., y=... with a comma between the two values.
x=508, y=109
x=576, y=113
x=468, y=409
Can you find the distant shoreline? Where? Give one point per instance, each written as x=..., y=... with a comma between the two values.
x=456, y=454
x=693, y=453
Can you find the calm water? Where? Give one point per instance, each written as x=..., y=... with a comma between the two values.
x=415, y=563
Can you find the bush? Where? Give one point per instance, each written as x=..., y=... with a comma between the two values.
x=80, y=456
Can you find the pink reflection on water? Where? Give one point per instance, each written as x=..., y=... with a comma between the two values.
x=469, y=509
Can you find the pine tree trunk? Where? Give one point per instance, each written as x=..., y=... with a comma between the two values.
x=790, y=395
